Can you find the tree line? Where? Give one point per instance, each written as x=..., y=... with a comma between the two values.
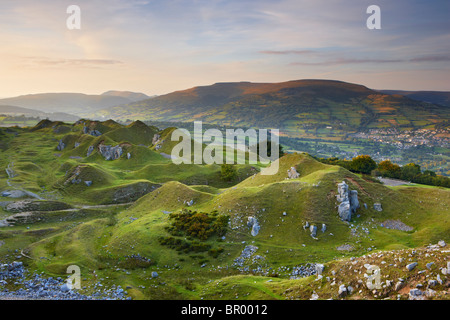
x=411, y=172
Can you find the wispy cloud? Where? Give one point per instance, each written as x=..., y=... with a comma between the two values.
x=162, y=46
x=349, y=61
x=345, y=61
x=432, y=58
x=284, y=52
x=60, y=62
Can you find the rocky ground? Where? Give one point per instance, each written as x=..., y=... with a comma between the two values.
x=407, y=274
x=24, y=285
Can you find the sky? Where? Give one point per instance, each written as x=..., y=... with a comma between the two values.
x=160, y=46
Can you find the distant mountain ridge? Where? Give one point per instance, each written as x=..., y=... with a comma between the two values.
x=74, y=103
x=289, y=105
x=132, y=96
x=298, y=107
x=436, y=97
x=54, y=116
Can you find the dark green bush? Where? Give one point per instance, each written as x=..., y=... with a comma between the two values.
x=198, y=225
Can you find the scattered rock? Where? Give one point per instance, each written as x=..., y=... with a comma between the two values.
x=35, y=287
x=313, y=230
x=397, y=225
x=14, y=194
x=342, y=291
x=411, y=266
x=442, y=243
x=65, y=288
x=252, y=222
x=415, y=294
x=94, y=132
x=345, y=247
x=245, y=255
x=314, y=296
x=36, y=205
x=399, y=285
x=319, y=268
x=14, y=265
x=377, y=206
x=293, y=174
x=90, y=150
x=61, y=145
x=432, y=283
x=305, y=270
x=156, y=138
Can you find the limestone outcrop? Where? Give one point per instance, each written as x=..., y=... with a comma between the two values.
x=90, y=150
x=61, y=145
x=110, y=152
x=348, y=201
x=155, y=139
x=377, y=206
x=313, y=230
x=292, y=173
x=253, y=223
x=95, y=133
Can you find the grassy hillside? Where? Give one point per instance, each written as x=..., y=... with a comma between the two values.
x=40, y=167
x=145, y=214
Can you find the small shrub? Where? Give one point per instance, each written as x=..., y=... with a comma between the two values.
x=215, y=252
x=228, y=172
x=112, y=221
x=197, y=224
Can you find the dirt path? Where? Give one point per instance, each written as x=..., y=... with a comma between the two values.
x=358, y=185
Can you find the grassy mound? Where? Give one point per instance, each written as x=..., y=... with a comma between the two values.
x=136, y=133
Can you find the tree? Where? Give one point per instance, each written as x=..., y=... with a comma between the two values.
x=363, y=164
x=429, y=173
x=228, y=172
x=269, y=148
x=410, y=171
x=389, y=169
